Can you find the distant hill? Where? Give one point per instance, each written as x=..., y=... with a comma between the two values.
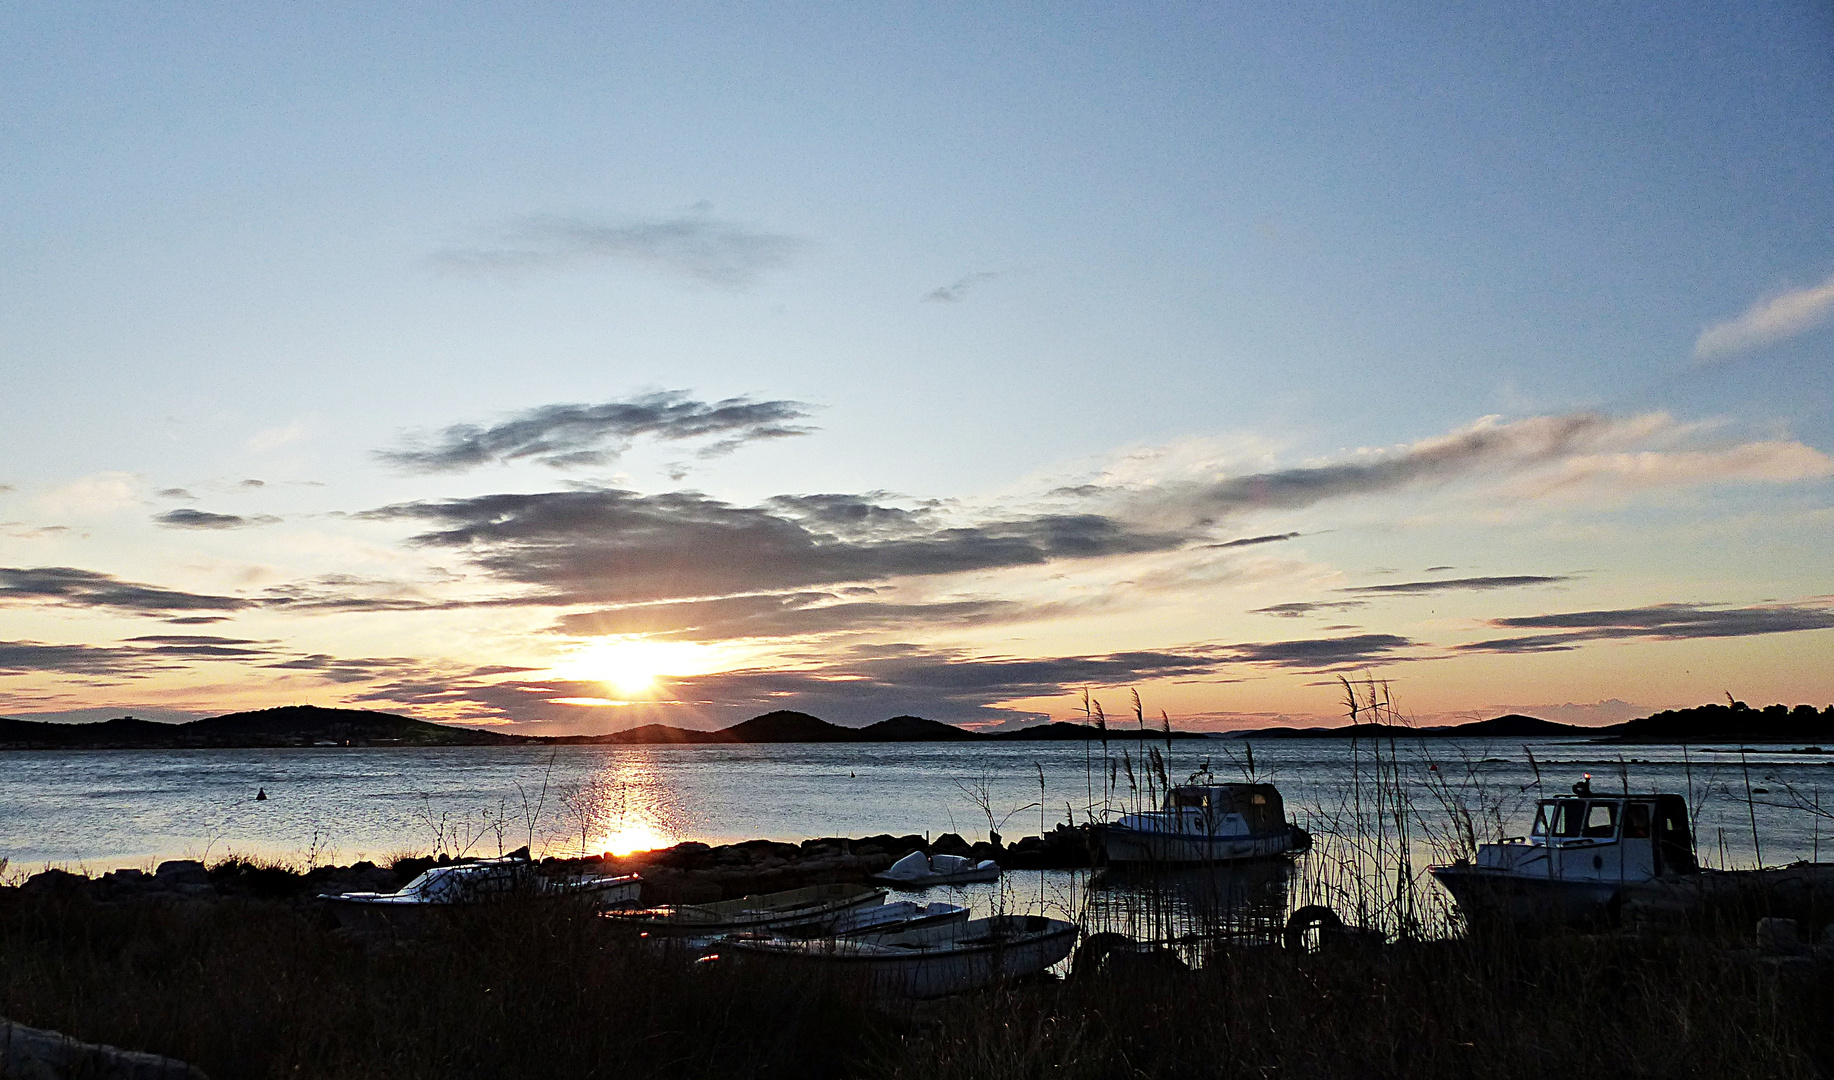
x=913, y=729
x=1732, y=722
x=289, y=725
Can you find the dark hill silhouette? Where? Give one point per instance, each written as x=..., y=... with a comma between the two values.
x=1517, y=726
x=1733, y=722
x=785, y=725
x=913, y=729
x=291, y=725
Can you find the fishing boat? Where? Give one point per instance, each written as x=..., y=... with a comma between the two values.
x=920, y=966
x=1582, y=857
x=479, y=881
x=920, y=871
x=811, y=907
x=1209, y=823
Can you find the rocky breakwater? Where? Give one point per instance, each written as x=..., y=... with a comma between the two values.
x=686, y=873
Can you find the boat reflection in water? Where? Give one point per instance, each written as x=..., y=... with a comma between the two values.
x=1190, y=909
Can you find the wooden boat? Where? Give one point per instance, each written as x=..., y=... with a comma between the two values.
x=1211, y=823
x=812, y=906
x=920, y=871
x=905, y=919
x=479, y=881
x=923, y=966
x=1583, y=852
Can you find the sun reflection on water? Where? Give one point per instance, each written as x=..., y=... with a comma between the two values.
x=634, y=836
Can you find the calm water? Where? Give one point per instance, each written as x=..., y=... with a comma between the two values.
x=101, y=809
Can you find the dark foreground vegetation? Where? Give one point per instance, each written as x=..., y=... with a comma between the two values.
x=265, y=988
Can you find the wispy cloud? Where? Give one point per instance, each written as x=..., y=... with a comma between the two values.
x=1469, y=584
x=573, y=435
x=1255, y=541
x=953, y=293
x=275, y=437
x=87, y=588
x=1299, y=608
x=1659, y=622
x=703, y=249
x=200, y=519
x=1768, y=321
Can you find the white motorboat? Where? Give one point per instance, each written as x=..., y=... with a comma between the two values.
x=923, y=966
x=1581, y=856
x=810, y=907
x=479, y=881
x=920, y=871
x=1211, y=823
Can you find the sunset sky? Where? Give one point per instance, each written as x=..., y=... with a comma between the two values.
x=581, y=366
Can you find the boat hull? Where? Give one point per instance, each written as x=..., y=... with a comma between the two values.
x=1122, y=844
x=813, y=907
x=1004, y=947
x=1491, y=895
x=394, y=913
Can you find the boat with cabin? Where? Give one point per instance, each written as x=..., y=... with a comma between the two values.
x=1584, y=854
x=1205, y=823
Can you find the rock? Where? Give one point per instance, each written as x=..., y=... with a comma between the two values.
x=950, y=844
x=35, y=1054
x=175, y=872
x=49, y=882
x=1779, y=937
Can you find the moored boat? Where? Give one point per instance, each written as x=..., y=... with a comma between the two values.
x=924, y=966
x=1583, y=855
x=1209, y=823
x=811, y=906
x=479, y=881
x=920, y=871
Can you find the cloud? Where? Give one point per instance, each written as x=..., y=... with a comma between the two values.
x=27, y=657
x=796, y=614
x=1768, y=321
x=174, y=493
x=1317, y=654
x=702, y=249
x=200, y=646
x=87, y=588
x=1300, y=608
x=1252, y=541
x=951, y=294
x=570, y=435
x=1469, y=584
x=275, y=437
x=187, y=518
x=1658, y=622
x=602, y=545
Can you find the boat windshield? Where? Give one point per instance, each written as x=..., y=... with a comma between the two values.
x=1574, y=819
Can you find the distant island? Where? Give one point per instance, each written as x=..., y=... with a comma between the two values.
x=311, y=725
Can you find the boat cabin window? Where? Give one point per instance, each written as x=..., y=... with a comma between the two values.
x=1191, y=798
x=1636, y=821
x=1573, y=819
x=1601, y=821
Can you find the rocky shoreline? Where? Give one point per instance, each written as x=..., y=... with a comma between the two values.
x=689, y=872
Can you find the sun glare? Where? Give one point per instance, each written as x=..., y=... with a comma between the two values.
x=636, y=836
x=630, y=667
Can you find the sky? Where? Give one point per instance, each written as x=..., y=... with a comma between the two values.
x=569, y=367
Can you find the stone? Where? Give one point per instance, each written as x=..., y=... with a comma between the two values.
x=38, y=1054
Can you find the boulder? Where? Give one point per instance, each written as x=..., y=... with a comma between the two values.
x=38, y=1054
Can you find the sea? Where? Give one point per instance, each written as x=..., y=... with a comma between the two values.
x=1407, y=801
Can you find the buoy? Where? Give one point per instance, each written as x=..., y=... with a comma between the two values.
x=261, y=795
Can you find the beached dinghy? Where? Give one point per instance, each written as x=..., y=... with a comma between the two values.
x=481, y=881
x=920, y=871
x=810, y=907
x=921, y=966
x=1212, y=823
x=906, y=919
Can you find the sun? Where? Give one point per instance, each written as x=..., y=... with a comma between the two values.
x=630, y=667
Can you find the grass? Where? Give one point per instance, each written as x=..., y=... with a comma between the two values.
x=245, y=987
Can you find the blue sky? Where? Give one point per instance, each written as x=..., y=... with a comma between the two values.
x=989, y=253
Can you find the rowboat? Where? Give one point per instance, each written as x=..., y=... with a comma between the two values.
x=1212, y=823
x=477, y=882
x=809, y=907
x=918, y=967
